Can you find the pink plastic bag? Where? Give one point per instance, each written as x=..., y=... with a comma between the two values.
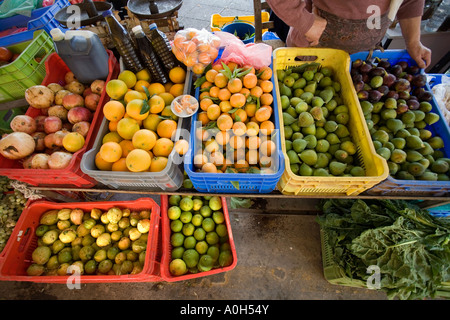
x=256, y=54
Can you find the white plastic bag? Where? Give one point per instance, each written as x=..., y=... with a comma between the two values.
x=441, y=93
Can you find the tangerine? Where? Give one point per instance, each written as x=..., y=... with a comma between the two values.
x=140, y=84
x=213, y=112
x=256, y=91
x=138, y=160
x=265, y=73
x=267, y=147
x=266, y=99
x=225, y=106
x=234, y=85
x=252, y=128
x=237, y=100
x=177, y=89
x=221, y=80
x=134, y=109
x=239, y=128
x=127, y=146
x=263, y=114
x=156, y=88
x=249, y=81
x=126, y=127
x=151, y=122
x=177, y=75
x=224, y=122
x=157, y=104
x=203, y=118
x=128, y=77
x=267, y=127
x=158, y=164
x=163, y=147
x=266, y=86
x=209, y=167
x=120, y=165
x=210, y=75
x=240, y=115
x=111, y=151
x=166, y=128
x=222, y=137
x=144, y=139
x=113, y=110
x=224, y=94
x=102, y=164
x=181, y=146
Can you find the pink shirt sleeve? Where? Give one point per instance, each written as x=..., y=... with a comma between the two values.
x=294, y=13
x=410, y=9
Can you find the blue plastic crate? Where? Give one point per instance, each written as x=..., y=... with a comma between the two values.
x=43, y=18
x=227, y=182
x=392, y=186
x=440, y=211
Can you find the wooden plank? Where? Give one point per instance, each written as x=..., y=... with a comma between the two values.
x=258, y=20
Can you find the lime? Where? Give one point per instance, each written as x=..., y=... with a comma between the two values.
x=218, y=217
x=208, y=224
x=112, y=252
x=199, y=234
x=201, y=247
x=177, y=267
x=205, y=211
x=214, y=252
x=90, y=267
x=215, y=203
x=174, y=213
x=198, y=203
x=225, y=246
x=177, y=239
x=100, y=255
x=197, y=219
x=177, y=253
x=186, y=204
x=190, y=242
x=105, y=266
x=188, y=229
x=212, y=238
x=174, y=200
x=176, y=225
x=225, y=258
x=221, y=230
x=186, y=216
x=205, y=263
x=190, y=257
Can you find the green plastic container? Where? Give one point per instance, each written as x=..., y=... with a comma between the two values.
x=7, y=115
x=28, y=69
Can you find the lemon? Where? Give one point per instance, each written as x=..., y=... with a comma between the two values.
x=128, y=77
x=116, y=89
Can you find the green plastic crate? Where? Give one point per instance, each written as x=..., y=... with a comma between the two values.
x=7, y=115
x=25, y=71
x=334, y=274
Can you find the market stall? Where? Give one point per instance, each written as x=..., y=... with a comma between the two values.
x=139, y=106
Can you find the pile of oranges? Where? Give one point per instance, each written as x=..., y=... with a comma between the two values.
x=196, y=49
x=237, y=128
x=141, y=123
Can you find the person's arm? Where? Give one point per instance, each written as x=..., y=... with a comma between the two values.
x=411, y=33
x=295, y=15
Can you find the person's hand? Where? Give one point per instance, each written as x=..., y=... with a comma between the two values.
x=315, y=32
x=420, y=54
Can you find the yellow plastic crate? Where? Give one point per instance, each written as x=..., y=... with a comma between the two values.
x=375, y=166
x=217, y=21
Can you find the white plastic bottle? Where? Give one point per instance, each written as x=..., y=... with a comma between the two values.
x=83, y=52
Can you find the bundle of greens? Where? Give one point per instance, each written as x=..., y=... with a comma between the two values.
x=410, y=246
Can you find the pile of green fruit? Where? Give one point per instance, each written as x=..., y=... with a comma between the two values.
x=199, y=235
x=110, y=242
x=399, y=114
x=11, y=207
x=315, y=119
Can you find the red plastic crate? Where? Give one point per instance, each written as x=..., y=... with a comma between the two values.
x=71, y=176
x=23, y=241
x=167, y=247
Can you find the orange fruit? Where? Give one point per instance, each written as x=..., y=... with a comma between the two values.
x=116, y=89
x=217, y=158
x=239, y=128
x=225, y=106
x=267, y=127
x=167, y=97
x=151, y=122
x=166, y=128
x=163, y=147
x=167, y=86
x=167, y=112
x=203, y=47
x=265, y=161
x=210, y=75
x=249, y=81
x=177, y=89
x=201, y=134
x=250, y=109
x=222, y=137
x=140, y=84
x=265, y=73
x=253, y=142
x=224, y=94
x=213, y=53
x=102, y=164
x=236, y=142
x=234, y=85
x=217, y=66
x=267, y=148
x=127, y=146
x=157, y=104
x=211, y=146
x=209, y=167
x=203, y=118
x=241, y=165
x=120, y=165
x=266, y=99
x=207, y=84
x=199, y=160
x=113, y=110
x=245, y=92
x=256, y=91
x=232, y=65
x=128, y=77
x=213, y=112
x=252, y=69
x=144, y=139
x=112, y=125
x=221, y=80
x=138, y=160
x=198, y=68
x=205, y=103
x=252, y=128
x=224, y=122
x=181, y=146
x=156, y=88
x=158, y=164
x=134, y=107
x=189, y=46
x=266, y=86
x=252, y=157
x=239, y=115
x=204, y=58
x=111, y=151
x=237, y=100
x=133, y=94
x=144, y=74
x=177, y=75
x=263, y=114
x=214, y=91
x=203, y=95
x=126, y=127
x=112, y=136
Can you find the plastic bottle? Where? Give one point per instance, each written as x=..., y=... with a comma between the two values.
x=162, y=47
x=438, y=17
x=83, y=52
x=123, y=43
x=149, y=57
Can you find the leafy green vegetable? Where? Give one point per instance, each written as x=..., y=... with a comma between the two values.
x=410, y=246
x=236, y=203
